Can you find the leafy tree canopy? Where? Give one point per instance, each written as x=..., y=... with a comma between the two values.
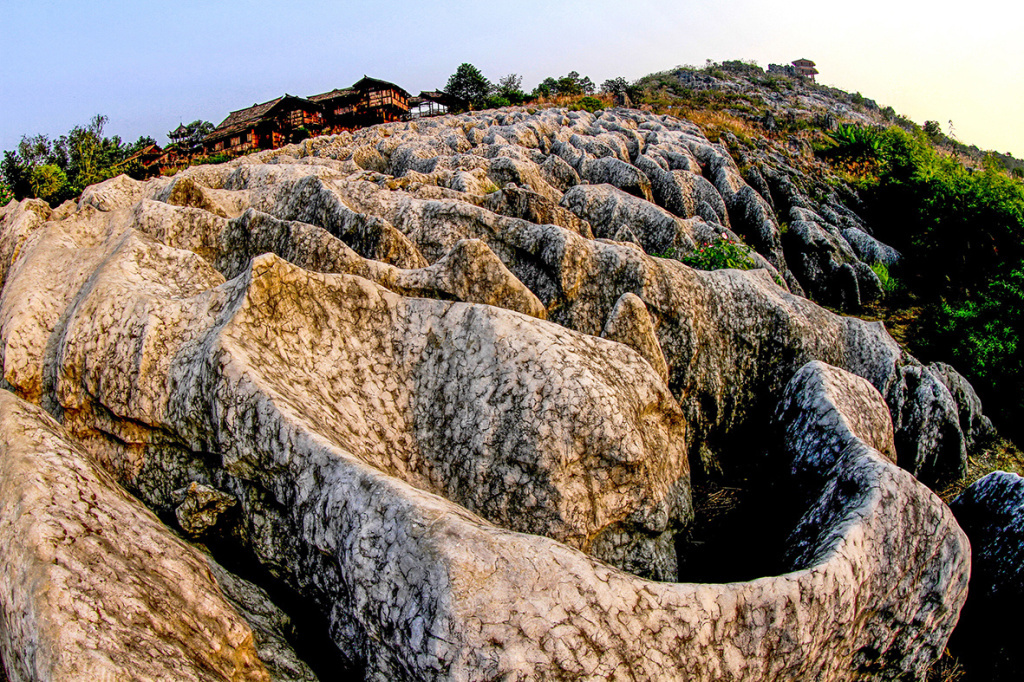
x=194, y=134
x=55, y=170
x=469, y=84
x=510, y=88
x=571, y=85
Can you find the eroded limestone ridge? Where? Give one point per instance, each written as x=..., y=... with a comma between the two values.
x=375, y=363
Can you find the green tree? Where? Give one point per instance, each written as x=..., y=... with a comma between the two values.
x=469, y=84
x=546, y=88
x=15, y=173
x=194, y=132
x=83, y=156
x=49, y=183
x=510, y=88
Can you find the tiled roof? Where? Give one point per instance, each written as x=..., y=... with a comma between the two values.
x=343, y=92
x=241, y=120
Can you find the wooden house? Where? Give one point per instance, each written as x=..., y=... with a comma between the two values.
x=367, y=102
x=805, y=68
x=266, y=126
x=153, y=159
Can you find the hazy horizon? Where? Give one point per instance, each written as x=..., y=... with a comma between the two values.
x=149, y=66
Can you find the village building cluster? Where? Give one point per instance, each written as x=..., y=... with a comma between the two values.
x=289, y=119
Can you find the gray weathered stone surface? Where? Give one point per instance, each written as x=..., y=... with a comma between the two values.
x=991, y=512
x=827, y=267
x=975, y=425
x=629, y=323
x=823, y=411
x=92, y=585
x=123, y=336
x=607, y=209
x=447, y=481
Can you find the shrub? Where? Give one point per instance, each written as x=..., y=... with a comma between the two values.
x=214, y=158
x=587, y=103
x=981, y=337
x=48, y=183
x=497, y=102
x=722, y=254
x=889, y=283
x=6, y=195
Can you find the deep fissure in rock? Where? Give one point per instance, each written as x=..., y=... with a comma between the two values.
x=310, y=634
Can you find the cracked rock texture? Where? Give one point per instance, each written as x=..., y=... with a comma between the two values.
x=375, y=361
x=93, y=585
x=991, y=512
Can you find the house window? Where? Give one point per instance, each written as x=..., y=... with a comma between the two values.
x=235, y=141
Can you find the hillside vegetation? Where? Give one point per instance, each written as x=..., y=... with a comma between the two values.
x=954, y=212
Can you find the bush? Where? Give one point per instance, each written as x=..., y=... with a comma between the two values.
x=214, y=158
x=497, y=102
x=588, y=103
x=48, y=183
x=722, y=254
x=6, y=195
x=981, y=337
x=889, y=283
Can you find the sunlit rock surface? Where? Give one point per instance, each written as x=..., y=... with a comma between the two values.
x=374, y=363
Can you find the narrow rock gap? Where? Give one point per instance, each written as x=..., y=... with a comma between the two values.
x=310, y=637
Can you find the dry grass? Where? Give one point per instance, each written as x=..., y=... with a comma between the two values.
x=714, y=123
x=998, y=455
x=946, y=669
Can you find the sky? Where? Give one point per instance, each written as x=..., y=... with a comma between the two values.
x=149, y=65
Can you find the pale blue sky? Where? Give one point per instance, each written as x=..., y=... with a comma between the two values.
x=148, y=65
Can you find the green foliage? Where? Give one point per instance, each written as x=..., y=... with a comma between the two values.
x=961, y=231
x=194, y=133
x=587, y=103
x=469, y=84
x=497, y=102
x=721, y=254
x=6, y=195
x=15, y=173
x=889, y=283
x=55, y=170
x=982, y=337
x=850, y=141
x=572, y=85
x=214, y=158
x=510, y=89
x=49, y=183
x=613, y=86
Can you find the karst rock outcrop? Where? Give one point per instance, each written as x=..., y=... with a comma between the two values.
x=436, y=381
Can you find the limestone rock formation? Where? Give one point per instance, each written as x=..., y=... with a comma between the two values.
x=93, y=585
x=629, y=323
x=374, y=363
x=991, y=512
x=823, y=411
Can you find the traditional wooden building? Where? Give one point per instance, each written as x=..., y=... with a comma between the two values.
x=266, y=126
x=805, y=68
x=367, y=102
x=153, y=159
